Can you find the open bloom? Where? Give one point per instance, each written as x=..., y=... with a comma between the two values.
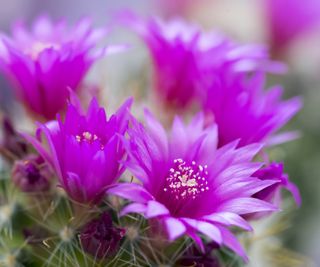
x=188, y=184
x=289, y=19
x=186, y=59
x=43, y=63
x=243, y=110
x=85, y=149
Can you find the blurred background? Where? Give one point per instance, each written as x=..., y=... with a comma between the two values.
x=292, y=30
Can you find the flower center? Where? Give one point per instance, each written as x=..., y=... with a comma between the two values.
x=186, y=181
x=88, y=138
x=38, y=47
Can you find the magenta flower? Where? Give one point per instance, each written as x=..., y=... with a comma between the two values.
x=188, y=184
x=289, y=19
x=85, y=149
x=274, y=171
x=43, y=63
x=186, y=59
x=243, y=110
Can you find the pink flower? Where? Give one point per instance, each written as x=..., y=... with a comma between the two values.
x=43, y=63
x=189, y=184
x=289, y=19
x=243, y=110
x=187, y=60
x=85, y=150
x=171, y=8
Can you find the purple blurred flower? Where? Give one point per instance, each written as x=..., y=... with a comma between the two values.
x=43, y=63
x=186, y=59
x=289, y=19
x=100, y=238
x=274, y=171
x=85, y=149
x=171, y=8
x=189, y=184
x=243, y=110
x=32, y=174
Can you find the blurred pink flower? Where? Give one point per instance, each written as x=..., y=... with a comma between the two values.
x=290, y=18
x=244, y=111
x=171, y=8
x=43, y=63
x=186, y=60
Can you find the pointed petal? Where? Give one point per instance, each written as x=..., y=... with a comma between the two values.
x=155, y=209
x=293, y=189
x=246, y=206
x=230, y=241
x=229, y=219
x=205, y=228
x=175, y=228
x=133, y=208
x=157, y=131
x=131, y=191
x=196, y=239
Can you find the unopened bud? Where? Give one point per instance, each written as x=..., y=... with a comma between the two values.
x=100, y=238
x=31, y=174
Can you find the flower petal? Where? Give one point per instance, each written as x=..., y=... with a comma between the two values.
x=155, y=209
x=133, y=208
x=175, y=228
x=205, y=228
x=231, y=241
x=246, y=206
x=229, y=219
x=293, y=189
x=131, y=191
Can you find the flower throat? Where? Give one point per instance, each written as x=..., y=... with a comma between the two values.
x=186, y=181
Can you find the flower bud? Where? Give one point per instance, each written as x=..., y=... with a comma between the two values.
x=100, y=238
x=275, y=172
x=31, y=174
x=195, y=257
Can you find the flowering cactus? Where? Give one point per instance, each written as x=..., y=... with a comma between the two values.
x=191, y=185
x=91, y=190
